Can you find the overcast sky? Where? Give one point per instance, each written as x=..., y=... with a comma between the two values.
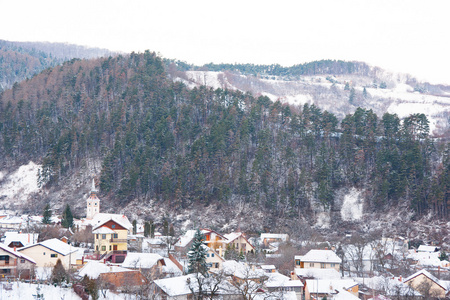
x=403, y=36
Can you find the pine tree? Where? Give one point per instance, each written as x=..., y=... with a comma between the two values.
x=67, y=218
x=197, y=255
x=59, y=274
x=47, y=216
x=134, y=227
x=146, y=229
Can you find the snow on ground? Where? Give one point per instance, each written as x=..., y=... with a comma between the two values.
x=22, y=290
x=352, y=206
x=18, y=185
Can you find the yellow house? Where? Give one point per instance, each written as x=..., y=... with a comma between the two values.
x=110, y=237
x=426, y=284
x=47, y=253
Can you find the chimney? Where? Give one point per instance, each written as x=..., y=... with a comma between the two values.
x=14, y=248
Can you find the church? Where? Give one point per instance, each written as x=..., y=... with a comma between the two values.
x=110, y=230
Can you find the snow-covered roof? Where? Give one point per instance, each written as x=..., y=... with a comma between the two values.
x=171, y=268
x=427, y=258
x=230, y=237
x=24, y=238
x=268, y=267
x=427, y=274
x=389, y=286
x=425, y=248
x=185, y=239
x=101, y=218
x=93, y=269
x=141, y=260
x=4, y=247
x=327, y=286
x=55, y=245
x=103, y=230
x=322, y=256
x=279, y=280
x=242, y=270
x=175, y=286
x=317, y=273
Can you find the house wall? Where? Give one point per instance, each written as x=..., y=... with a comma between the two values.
x=109, y=241
x=241, y=244
x=213, y=260
x=18, y=267
x=43, y=256
x=316, y=265
x=419, y=282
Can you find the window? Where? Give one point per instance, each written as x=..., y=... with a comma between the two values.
x=96, y=247
x=207, y=254
x=103, y=248
x=322, y=265
x=332, y=265
x=4, y=257
x=53, y=255
x=104, y=236
x=44, y=253
x=212, y=254
x=115, y=235
x=297, y=262
x=22, y=261
x=109, y=247
x=113, y=226
x=95, y=203
x=97, y=236
x=311, y=265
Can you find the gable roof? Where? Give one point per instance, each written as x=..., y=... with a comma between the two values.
x=103, y=230
x=329, y=286
x=426, y=274
x=101, y=218
x=175, y=286
x=54, y=245
x=142, y=260
x=322, y=256
x=17, y=254
x=24, y=238
x=234, y=235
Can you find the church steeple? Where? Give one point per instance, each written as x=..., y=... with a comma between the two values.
x=92, y=203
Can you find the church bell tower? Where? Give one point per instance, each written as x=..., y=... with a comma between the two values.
x=93, y=203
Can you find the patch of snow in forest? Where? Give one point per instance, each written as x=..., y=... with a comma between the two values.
x=352, y=206
x=21, y=183
x=207, y=78
x=1, y=175
x=299, y=99
x=323, y=219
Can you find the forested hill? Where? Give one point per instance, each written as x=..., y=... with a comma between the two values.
x=22, y=60
x=159, y=141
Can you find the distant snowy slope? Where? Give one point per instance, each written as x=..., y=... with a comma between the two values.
x=329, y=92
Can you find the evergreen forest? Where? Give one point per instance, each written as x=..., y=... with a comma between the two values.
x=158, y=140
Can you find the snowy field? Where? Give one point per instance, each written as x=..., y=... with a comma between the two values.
x=25, y=291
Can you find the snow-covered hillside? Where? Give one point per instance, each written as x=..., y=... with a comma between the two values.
x=18, y=186
x=329, y=93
